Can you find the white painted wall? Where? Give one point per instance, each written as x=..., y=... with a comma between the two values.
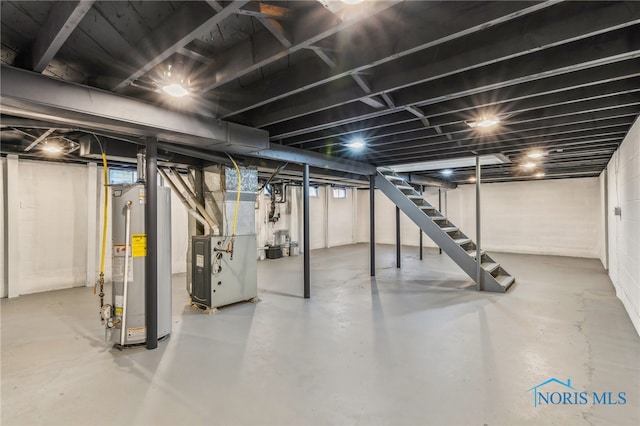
x=3, y=218
x=179, y=235
x=341, y=228
x=53, y=227
x=602, y=214
x=340, y=222
x=554, y=217
x=624, y=231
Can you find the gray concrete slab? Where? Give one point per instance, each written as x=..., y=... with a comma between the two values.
x=413, y=346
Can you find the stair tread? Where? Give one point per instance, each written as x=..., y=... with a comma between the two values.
x=450, y=229
x=392, y=177
x=416, y=196
x=461, y=241
x=404, y=187
x=505, y=280
x=438, y=218
x=473, y=252
x=427, y=207
x=490, y=266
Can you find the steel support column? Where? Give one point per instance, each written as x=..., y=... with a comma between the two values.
x=151, y=229
x=421, y=193
x=372, y=224
x=307, y=234
x=440, y=209
x=398, y=249
x=12, y=239
x=478, y=225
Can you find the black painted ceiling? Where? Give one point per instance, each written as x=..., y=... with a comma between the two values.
x=405, y=76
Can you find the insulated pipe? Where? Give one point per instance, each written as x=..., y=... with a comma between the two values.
x=140, y=167
x=151, y=229
x=193, y=199
x=125, y=284
x=307, y=233
x=192, y=211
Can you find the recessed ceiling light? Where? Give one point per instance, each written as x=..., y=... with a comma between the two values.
x=539, y=174
x=357, y=144
x=528, y=165
x=175, y=90
x=447, y=172
x=535, y=154
x=484, y=122
x=351, y=1
x=472, y=179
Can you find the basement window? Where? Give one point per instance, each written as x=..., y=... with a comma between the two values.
x=122, y=176
x=339, y=192
x=313, y=192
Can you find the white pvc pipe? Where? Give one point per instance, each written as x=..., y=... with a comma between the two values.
x=127, y=232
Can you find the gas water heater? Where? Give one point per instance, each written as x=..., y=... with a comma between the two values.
x=125, y=317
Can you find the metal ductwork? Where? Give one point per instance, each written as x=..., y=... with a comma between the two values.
x=35, y=96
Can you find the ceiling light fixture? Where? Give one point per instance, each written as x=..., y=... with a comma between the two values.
x=52, y=149
x=351, y=1
x=528, y=165
x=535, y=154
x=539, y=174
x=58, y=145
x=484, y=122
x=357, y=144
x=472, y=179
x=173, y=80
x=175, y=89
x=447, y=172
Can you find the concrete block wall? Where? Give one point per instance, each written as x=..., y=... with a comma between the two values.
x=53, y=226
x=340, y=229
x=552, y=217
x=623, y=177
x=53, y=221
x=558, y=217
x=3, y=238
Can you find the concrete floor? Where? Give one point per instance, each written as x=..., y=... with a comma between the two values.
x=413, y=346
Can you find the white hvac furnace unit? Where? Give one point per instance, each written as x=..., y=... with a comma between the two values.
x=224, y=267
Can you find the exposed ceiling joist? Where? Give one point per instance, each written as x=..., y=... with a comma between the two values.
x=63, y=18
x=168, y=38
x=308, y=29
x=364, y=58
x=488, y=65
x=259, y=9
x=602, y=81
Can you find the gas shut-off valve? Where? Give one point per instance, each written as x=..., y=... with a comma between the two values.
x=106, y=313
